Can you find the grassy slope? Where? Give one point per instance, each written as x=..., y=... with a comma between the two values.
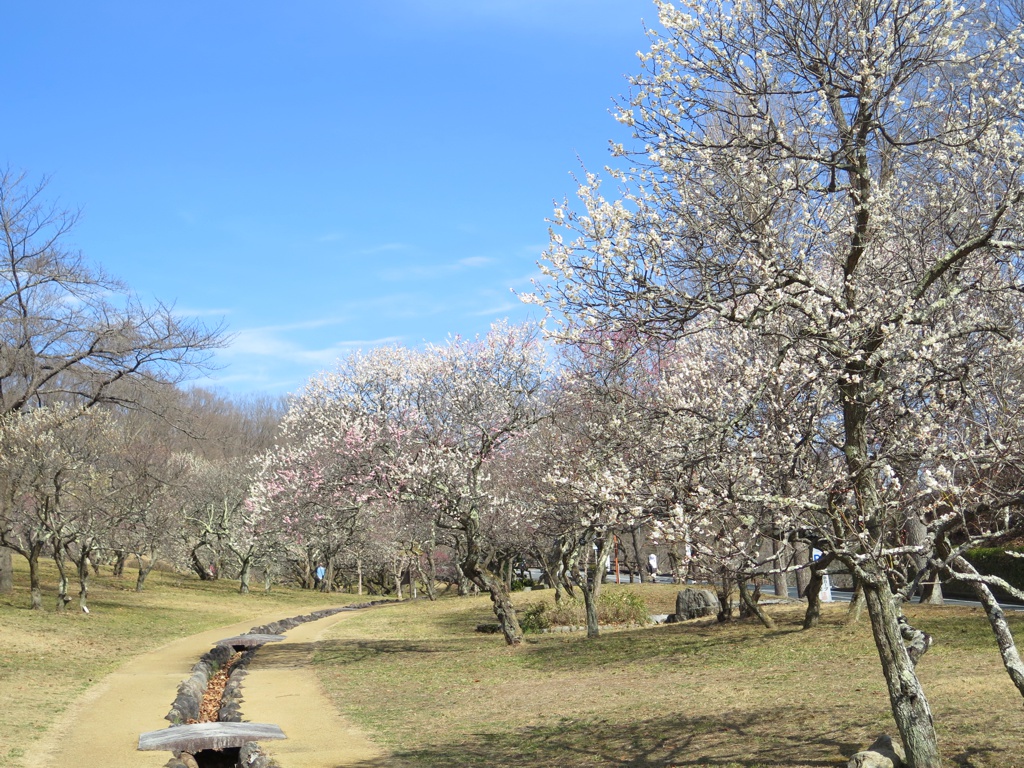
x=438, y=694
x=48, y=659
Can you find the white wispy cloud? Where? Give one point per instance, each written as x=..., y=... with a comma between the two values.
x=433, y=271
x=269, y=342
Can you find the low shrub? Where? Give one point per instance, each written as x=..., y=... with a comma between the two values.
x=534, y=617
x=613, y=607
x=621, y=607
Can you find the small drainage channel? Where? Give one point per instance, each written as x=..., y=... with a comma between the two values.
x=206, y=728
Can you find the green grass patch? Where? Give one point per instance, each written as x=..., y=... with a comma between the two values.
x=436, y=693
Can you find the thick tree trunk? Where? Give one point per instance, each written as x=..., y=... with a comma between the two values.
x=802, y=556
x=480, y=575
x=35, y=588
x=592, y=588
x=143, y=572
x=62, y=580
x=396, y=577
x=243, y=577
x=564, y=566
x=462, y=579
x=816, y=574
x=856, y=604
x=906, y=696
x=430, y=576
x=725, y=598
x=813, y=591
x=931, y=589
x=637, y=543
x=120, y=558
x=6, y=571
x=909, y=705
x=780, y=562
x=197, y=565
x=504, y=610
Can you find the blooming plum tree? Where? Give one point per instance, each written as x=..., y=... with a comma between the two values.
x=844, y=180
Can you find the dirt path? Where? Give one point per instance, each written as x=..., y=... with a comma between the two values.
x=281, y=688
x=103, y=726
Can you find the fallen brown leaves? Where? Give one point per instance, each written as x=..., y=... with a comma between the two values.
x=210, y=708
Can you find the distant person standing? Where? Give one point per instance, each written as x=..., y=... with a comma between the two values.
x=320, y=573
x=652, y=566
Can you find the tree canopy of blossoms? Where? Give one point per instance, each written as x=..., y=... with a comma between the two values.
x=842, y=180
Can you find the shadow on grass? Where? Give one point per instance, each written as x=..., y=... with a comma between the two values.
x=964, y=759
x=668, y=644
x=736, y=740
x=335, y=653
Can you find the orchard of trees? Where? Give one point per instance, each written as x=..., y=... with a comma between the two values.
x=794, y=326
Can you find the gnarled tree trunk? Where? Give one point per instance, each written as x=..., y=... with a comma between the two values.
x=752, y=606
x=591, y=584
x=910, y=707
x=480, y=575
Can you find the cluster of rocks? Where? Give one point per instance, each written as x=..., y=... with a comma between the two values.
x=231, y=700
x=883, y=753
x=694, y=604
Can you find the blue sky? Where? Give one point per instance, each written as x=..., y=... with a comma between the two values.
x=320, y=175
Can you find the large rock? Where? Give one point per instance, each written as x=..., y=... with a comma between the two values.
x=695, y=603
x=882, y=754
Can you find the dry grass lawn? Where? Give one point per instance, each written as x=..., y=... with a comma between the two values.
x=47, y=659
x=436, y=693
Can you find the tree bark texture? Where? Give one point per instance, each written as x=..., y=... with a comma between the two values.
x=35, y=588
x=780, y=562
x=813, y=591
x=725, y=598
x=802, y=556
x=909, y=705
x=120, y=558
x=479, y=574
x=594, y=580
x=6, y=571
x=243, y=578
x=856, y=605
x=753, y=607
x=82, y=564
x=144, y=569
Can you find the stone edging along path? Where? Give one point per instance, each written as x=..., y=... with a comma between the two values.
x=227, y=741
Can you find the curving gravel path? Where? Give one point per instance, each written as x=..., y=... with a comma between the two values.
x=102, y=728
